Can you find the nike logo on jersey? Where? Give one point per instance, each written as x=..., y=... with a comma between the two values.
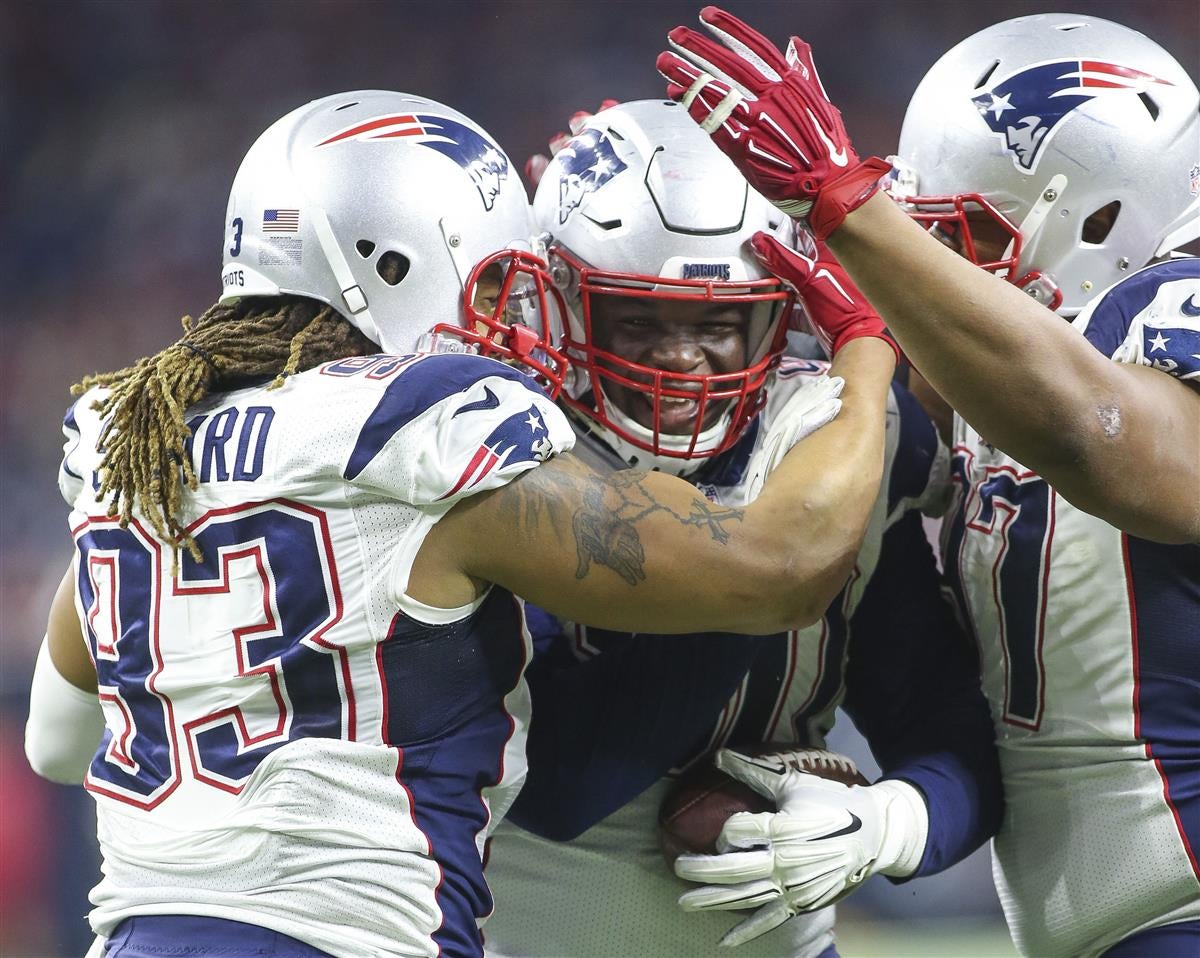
x=490, y=401
x=1189, y=308
x=855, y=825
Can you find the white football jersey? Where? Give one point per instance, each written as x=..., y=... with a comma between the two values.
x=292, y=741
x=1089, y=643
x=609, y=891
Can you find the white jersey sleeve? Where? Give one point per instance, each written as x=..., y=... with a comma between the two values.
x=453, y=425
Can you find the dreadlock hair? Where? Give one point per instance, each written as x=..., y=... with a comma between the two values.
x=231, y=346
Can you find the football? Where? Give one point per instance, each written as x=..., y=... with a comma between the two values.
x=702, y=799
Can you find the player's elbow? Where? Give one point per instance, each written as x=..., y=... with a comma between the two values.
x=793, y=592
x=50, y=759
x=65, y=724
x=811, y=591
x=1154, y=507
x=1155, y=521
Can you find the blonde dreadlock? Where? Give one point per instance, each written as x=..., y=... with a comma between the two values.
x=232, y=345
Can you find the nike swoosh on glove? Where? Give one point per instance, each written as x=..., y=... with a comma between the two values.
x=837, y=310
x=769, y=113
x=824, y=841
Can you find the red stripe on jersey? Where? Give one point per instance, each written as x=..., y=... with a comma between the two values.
x=1133, y=634
x=383, y=691
x=412, y=810
x=468, y=472
x=487, y=467
x=1041, y=634
x=1137, y=715
x=792, y=655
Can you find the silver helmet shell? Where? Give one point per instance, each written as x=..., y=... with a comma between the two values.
x=381, y=205
x=641, y=199
x=1049, y=119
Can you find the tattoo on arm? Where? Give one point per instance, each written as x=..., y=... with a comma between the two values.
x=605, y=526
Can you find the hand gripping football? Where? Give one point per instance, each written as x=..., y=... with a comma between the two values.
x=703, y=798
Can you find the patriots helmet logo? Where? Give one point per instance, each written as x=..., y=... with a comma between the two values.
x=1027, y=107
x=522, y=437
x=483, y=161
x=587, y=162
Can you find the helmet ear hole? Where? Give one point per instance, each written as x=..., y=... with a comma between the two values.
x=365, y=248
x=392, y=267
x=1097, y=226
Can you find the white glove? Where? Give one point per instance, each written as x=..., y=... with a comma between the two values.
x=814, y=404
x=823, y=842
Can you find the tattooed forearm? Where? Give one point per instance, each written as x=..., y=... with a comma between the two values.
x=704, y=513
x=608, y=510
x=635, y=502
x=607, y=539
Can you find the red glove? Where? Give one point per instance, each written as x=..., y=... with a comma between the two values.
x=770, y=115
x=536, y=165
x=836, y=308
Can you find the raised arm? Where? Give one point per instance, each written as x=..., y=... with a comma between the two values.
x=1121, y=442
x=641, y=551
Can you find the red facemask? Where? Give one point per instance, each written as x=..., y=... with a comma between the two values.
x=946, y=218
x=526, y=321
x=732, y=398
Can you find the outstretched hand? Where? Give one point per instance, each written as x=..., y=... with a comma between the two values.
x=769, y=113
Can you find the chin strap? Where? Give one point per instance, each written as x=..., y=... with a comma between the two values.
x=1035, y=219
x=354, y=299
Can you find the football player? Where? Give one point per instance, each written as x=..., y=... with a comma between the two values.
x=1060, y=152
x=300, y=528
x=676, y=334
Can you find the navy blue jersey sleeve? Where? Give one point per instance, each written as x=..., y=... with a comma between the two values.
x=606, y=728
x=70, y=472
x=913, y=691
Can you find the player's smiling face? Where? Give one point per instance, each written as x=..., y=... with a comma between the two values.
x=695, y=338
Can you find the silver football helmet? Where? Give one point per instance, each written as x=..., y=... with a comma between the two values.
x=641, y=204
x=394, y=209
x=1078, y=137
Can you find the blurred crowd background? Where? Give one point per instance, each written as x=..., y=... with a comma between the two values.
x=123, y=123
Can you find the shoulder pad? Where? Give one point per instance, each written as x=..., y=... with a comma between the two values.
x=451, y=425
x=1152, y=318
